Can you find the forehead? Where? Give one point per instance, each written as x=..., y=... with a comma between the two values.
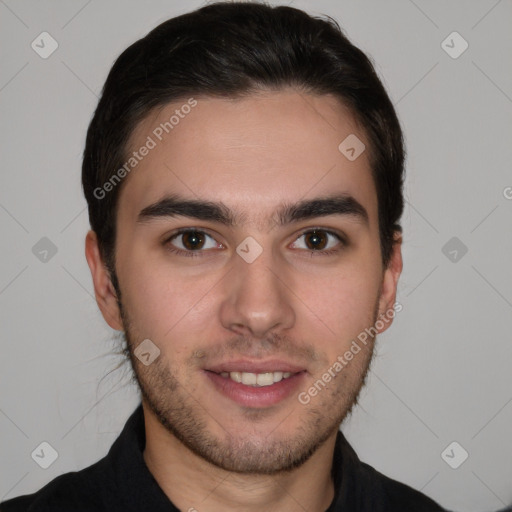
x=250, y=154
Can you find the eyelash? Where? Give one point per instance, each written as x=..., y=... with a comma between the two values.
x=199, y=253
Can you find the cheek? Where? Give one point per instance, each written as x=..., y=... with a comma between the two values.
x=163, y=302
x=145, y=290
x=339, y=306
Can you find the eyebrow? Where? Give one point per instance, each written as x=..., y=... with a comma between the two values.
x=175, y=206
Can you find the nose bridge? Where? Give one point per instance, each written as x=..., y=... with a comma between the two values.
x=257, y=299
x=259, y=279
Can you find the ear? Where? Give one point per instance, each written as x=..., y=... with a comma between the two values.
x=104, y=290
x=389, y=284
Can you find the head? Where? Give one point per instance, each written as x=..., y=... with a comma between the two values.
x=232, y=226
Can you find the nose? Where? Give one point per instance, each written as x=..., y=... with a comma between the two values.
x=258, y=298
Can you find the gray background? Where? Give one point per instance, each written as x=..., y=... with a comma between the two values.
x=442, y=373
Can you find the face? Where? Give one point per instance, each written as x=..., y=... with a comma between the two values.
x=248, y=253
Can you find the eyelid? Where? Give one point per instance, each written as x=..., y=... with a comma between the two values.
x=183, y=251
x=341, y=237
x=181, y=231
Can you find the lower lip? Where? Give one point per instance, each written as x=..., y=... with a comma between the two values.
x=249, y=396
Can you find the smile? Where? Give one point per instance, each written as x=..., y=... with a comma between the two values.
x=256, y=379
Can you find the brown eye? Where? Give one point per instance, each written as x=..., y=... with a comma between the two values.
x=193, y=240
x=319, y=240
x=316, y=240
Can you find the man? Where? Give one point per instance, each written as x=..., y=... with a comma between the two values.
x=243, y=173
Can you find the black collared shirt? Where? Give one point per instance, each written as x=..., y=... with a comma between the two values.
x=122, y=482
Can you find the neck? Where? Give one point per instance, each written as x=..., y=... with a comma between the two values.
x=193, y=484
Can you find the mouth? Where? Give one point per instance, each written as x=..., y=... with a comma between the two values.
x=256, y=385
x=258, y=380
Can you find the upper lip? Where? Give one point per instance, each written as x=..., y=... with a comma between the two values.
x=243, y=365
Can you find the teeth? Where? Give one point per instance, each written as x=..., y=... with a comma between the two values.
x=236, y=376
x=249, y=379
x=257, y=379
x=265, y=379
